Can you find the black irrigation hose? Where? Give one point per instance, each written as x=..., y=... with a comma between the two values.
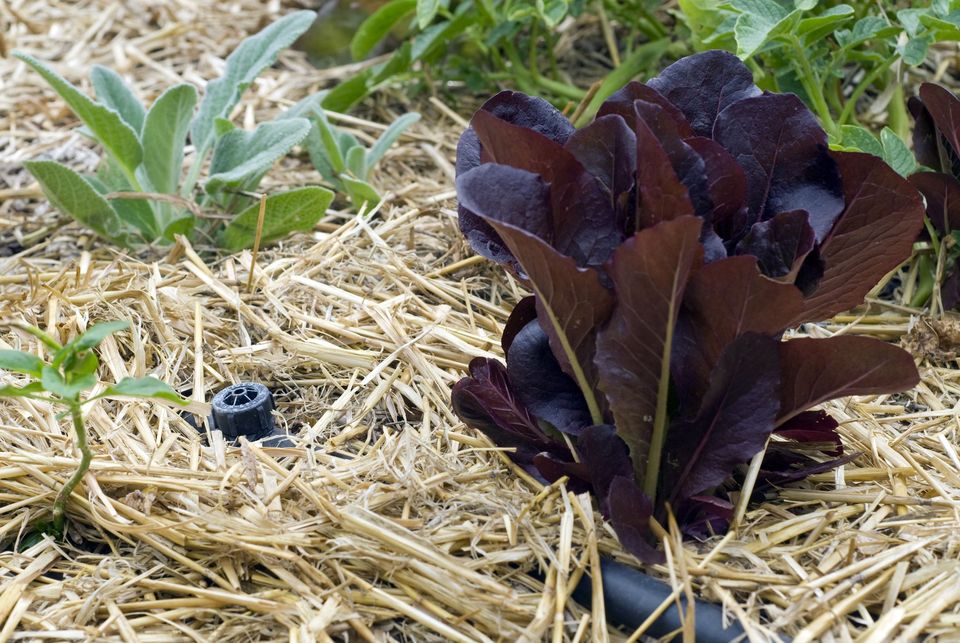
x=630, y=597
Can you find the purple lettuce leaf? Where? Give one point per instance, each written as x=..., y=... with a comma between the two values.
x=780, y=244
x=605, y=457
x=817, y=370
x=522, y=314
x=724, y=300
x=607, y=148
x=783, y=151
x=661, y=196
x=622, y=103
x=874, y=235
x=942, y=195
x=736, y=417
x=486, y=401
x=726, y=188
x=813, y=427
x=925, y=143
x=541, y=385
x=630, y=512
x=944, y=110
x=649, y=272
x=703, y=85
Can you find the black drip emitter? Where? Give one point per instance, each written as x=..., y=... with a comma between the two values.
x=246, y=409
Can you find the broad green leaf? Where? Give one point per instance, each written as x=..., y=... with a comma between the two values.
x=96, y=334
x=148, y=387
x=376, y=27
x=246, y=62
x=859, y=139
x=70, y=193
x=33, y=388
x=362, y=194
x=293, y=211
x=759, y=20
x=437, y=37
x=426, y=11
x=805, y=5
x=137, y=212
x=328, y=139
x=183, y=224
x=20, y=362
x=82, y=363
x=896, y=153
x=915, y=51
x=164, y=135
x=357, y=162
x=241, y=158
x=310, y=109
x=118, y=138
x=910, y=19
x=552, y=11
x=222, y=125
x=389, y=136
x=53, y=382
x=114, y=93
x=825, y=22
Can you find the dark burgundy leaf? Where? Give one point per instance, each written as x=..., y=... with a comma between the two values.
x=530, y=112
x=630, y=513
x=817, y=370
x=942, y=194
x=660, y=194
x=950, y=290
x=724, y=300
x=482, y=238
x=713, y=246
x=924, y=136
x=496, y=192
x=687, y=164
x=702, y=85
x=735, y=419
x=783, y=151
x=944, y=110
x=572, y=303
x=541, y=385
x=874, y=235
x=703, y=516
x=522, y=314
x=605, y=457
x=726, y=188
x=793, y=467
x=622, y=102
x=582, y=222
x=649, y=272
x=607, y=148
x=813, y=427
x=780, y=244
x=552, y=469
x=485, y=401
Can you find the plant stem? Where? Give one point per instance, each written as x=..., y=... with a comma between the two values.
x=60, y=504
x=925, y=277
x=811, y=85
x=862, y=86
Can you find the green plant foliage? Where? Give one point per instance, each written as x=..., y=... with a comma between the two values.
x=145, y=148
x=831, y=54
x=485, y=42
x=340, y=158
x=62, y=381
x=890, y=147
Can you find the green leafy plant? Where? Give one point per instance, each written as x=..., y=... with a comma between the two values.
x=340, y=158
x=830, y=54
x=141, y=194
x=486, y=42
x=69, y=374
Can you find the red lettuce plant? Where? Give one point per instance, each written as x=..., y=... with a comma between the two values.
x=936, y=143
x=668, y=245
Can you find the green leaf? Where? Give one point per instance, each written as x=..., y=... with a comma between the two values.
x=896, y=153
x=241, y=158
x=915, y=51
x=53, y=382
x=164, y=135
x=357, y=162
x=246, y=62
x=82, y=363
x=114, y=93
x=348, y=93
x=362, y=194
x=910, y=19
x=118, y=138
x=33, y=388
x=137, y=212
x=222, y=125
x=441, y=34
x=293, y=211
x=825, y=22
x=70, y=193
x=387, y=139
x=426, y=11
x=20, y=362
x=859, y=139
x=552, y=12
x=376, y=27
x=96, y=334
x=147, y=387
x=759, y=21
x=330, y=144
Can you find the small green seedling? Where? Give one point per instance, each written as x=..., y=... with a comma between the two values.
x=70, y=373
x=141, y=193
x=340, y=158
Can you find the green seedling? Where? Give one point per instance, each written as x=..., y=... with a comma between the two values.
x=64, y=381
x=142, y=194
x=340, y=158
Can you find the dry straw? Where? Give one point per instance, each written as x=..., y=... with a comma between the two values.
x=390, y=520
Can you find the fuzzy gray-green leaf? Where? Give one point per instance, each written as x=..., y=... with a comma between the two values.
x=293, y=211
x=241, y=158
x=164, y=135
x=115, y=94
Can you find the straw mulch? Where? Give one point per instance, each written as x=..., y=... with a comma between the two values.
x=391, y=520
